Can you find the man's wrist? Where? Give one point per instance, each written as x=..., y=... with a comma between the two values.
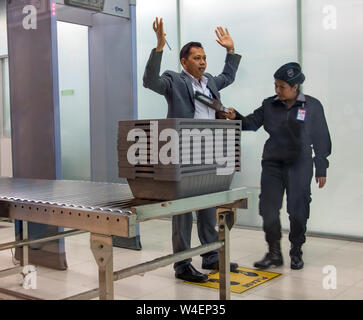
x=230, y=50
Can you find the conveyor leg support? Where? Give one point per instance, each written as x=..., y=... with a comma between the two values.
x=226, y=219
x=25, y=247
x=101, y=247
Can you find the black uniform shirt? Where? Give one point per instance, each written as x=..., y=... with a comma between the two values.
x=293, y=131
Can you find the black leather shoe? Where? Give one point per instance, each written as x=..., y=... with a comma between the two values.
x=272, y=259
x=191, y=274
x=297, y=262
x=269, y=260
x=215, y=266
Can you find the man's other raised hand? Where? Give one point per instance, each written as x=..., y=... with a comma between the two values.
x=158, y=27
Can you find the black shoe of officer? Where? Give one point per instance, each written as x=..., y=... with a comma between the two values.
x=272, y=258
x=297, y=262
x=191, y=274
x=215, y=266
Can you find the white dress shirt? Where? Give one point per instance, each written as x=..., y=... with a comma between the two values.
x=201, y=110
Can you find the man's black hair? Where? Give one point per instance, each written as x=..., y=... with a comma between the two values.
x=184, y=52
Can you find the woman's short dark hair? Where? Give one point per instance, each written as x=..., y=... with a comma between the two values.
x=184, y=52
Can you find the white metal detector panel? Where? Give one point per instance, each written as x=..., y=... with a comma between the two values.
x=119, y=8
x=114, y=7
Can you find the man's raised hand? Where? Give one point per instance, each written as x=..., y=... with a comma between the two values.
x=158, y=27
x=224, y=39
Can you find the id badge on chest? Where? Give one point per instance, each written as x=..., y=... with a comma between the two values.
x=301, y=114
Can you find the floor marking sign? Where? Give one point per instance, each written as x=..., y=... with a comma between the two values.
x=242, y=279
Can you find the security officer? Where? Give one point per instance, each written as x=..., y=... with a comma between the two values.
x=296, y=125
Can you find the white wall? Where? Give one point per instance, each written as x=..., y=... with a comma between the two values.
x=332, y=58
x=151, y=105
x=5, y=141
x=265, y=34
x=6, y=167
x=3, y=32
x=73, y=67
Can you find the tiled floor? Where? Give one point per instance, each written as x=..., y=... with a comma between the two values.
x=247, y=246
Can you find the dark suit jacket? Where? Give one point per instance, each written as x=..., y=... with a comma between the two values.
x=177, y=87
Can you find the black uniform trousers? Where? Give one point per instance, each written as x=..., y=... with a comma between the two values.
x=207, y=233
x=278, y=177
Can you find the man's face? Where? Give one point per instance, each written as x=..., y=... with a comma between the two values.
x=196, y=63
x=284, y=91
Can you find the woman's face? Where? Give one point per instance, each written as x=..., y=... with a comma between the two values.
x=284, y=91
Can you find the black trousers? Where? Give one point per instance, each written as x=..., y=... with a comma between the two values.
x=207, y=233
x=278, y=177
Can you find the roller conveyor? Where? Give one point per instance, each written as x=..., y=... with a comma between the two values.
x=109, y=209
x=92, y=206
x=111, y=197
